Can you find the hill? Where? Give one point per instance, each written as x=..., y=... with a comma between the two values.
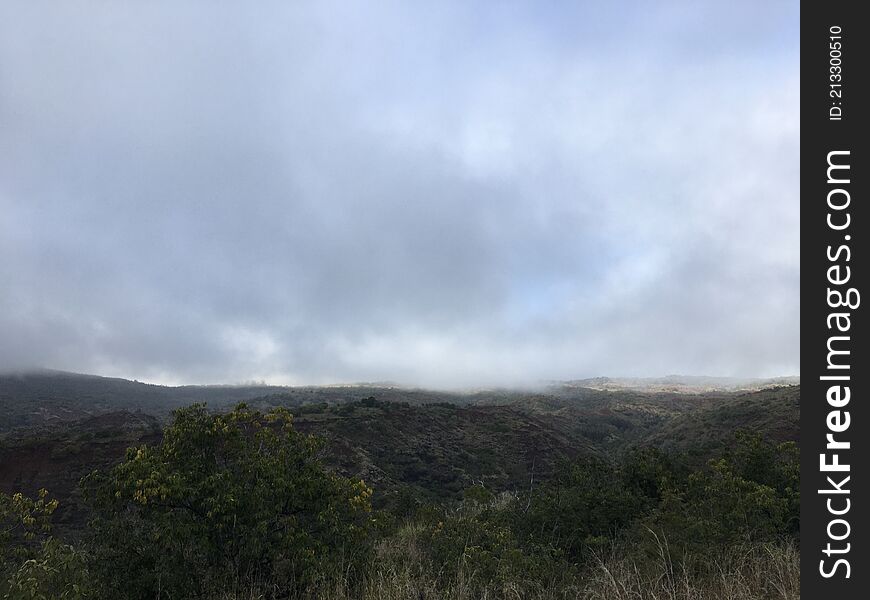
x=45, y=397
x=774, y=413
x=420, y=444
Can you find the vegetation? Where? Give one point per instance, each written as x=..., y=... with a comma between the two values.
x=241, y=505
x=35, y=565
x=233, y=501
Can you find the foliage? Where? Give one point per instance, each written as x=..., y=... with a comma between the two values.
x=22, y=520
x=56, y=572
x=588, y=503
x=225, y=501
x=750, y=495
x=36, y=565
x=647, y=503
x=472, y=543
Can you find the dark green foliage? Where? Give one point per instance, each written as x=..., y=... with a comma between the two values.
x=648, y=502
x=438, y=450
x=586, y=504
x=750, y=495
x=477, y=494
x=647, y=471
x=776, y=465
x=231, y=501
x=470, y=541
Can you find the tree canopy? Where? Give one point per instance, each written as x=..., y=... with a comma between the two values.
x=225, y=501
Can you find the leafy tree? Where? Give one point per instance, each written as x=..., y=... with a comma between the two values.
x=587, y=503
x=477, y=493
x=35, y=565
x=774, y=465
x=225, y=501
x=56, y=571
x=648, y=472
x=720, y=506
x=471, y=541
x=749, y=495
x=23, y=520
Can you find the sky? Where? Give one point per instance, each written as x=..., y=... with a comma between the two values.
x=444, y=194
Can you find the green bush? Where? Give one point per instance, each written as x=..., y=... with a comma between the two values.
x=225, y=501
x=55, y=572
x=587, y=503
x=647, y=502
x=472, y=543
x=749, y=496
x=35, y=565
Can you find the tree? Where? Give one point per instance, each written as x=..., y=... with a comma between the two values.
x=751, y=495
x=33, y=564
x=235, y=501
x=587, y=503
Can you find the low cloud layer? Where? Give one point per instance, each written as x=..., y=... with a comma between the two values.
x=449, y=195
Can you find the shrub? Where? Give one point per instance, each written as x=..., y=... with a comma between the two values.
x=749, y=496
x=34, y=564
x=231, y=501
x=587, y=503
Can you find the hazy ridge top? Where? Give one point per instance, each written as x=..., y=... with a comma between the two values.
x=668, y=383
x=682, y=383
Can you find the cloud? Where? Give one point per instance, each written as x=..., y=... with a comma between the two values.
x=443, y=195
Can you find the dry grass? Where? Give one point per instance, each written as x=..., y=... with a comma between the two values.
x=761, y=572
x=758, y=572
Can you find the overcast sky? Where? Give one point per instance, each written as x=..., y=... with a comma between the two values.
x=434, y=193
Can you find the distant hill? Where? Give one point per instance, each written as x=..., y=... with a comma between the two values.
x=43, y=397
x=774, y=412
x=685, y=384
x=56, y=427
